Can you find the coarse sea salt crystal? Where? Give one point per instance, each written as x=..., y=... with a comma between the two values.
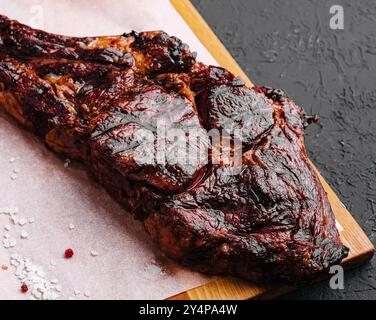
x=87, y=294
x=24, y=234
x=9, y=210
x=7, y=227
x=16, y=170
x=94, y=253
x=77, y=292
x=14, y=219
x=71, y=226
x=22, y=221
x=37, y=294
x=12, y=159
x=12, y=242
x=6, y=243
x=31, y=220
x=9, y=243
x=13, y=176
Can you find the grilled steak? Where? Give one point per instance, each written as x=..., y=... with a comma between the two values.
x=250, y=205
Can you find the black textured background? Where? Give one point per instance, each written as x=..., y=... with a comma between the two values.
x=289, y=44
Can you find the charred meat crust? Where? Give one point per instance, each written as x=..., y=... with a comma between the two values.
x=89, y=98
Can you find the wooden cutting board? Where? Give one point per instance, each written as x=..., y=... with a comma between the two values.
x=361, y=248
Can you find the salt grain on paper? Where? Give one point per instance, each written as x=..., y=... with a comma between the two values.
x=7, y=227
x=71, y=226
x=37, y=294
x=94, y=253
x=31, y=220
x=9, y=210
x=22, y=221
x=24, y=234
x=14, y=219
x=9, y=243
x=77, y=292
x=87, y=294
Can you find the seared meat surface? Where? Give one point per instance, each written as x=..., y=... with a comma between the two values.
x=245, y=203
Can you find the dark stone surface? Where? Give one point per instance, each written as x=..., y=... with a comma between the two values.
x=288, y=44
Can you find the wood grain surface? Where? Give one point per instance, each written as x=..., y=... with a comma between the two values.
x=361, y=248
